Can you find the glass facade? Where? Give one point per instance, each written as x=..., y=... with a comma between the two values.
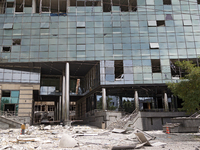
x=151, y=32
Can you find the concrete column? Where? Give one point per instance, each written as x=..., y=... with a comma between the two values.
x=57, y=112
x=166, y=102
x=63, y=98
x=33, y=6
x=104, y=104
x=67, y=91
x=136, y=100
x=60, y=108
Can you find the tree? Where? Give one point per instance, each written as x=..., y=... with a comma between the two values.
x=188, y=89
x=128, y=106
x=108, y=101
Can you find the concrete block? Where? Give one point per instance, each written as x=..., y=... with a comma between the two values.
x=67, y=142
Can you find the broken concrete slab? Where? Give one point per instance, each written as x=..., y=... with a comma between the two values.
x=118, y=130
x=142, y=139
x=67, y=142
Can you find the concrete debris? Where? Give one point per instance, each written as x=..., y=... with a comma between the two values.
x=142, y=139
x=123, y=122
x=47, y=127
x=67, y=142
x=118, y=131
x=88, y=138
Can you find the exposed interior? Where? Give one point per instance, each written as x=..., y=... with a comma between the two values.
x=156, y=68
x=167, y=2
x=118, y=68
x=160, y=23
x=16, y=41
x=6, y=49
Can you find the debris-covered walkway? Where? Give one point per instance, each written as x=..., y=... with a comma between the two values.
x=91, y=138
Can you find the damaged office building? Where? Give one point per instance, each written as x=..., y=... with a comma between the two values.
x=95, y=60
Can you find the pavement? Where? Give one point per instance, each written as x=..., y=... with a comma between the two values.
x=91, y=138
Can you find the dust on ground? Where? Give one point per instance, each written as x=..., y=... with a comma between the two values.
x=91, y=138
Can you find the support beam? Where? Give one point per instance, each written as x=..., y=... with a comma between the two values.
x=136, y=100
x=104, y=104
x=166, y=102
x=63, y=98
x=67, y=92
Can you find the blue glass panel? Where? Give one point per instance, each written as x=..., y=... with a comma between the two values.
x=15, y=94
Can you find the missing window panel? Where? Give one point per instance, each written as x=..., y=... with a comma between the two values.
x=160, y=23
x=10, y=4
x=167, y=2
x=19, y=6
x=6, y=49
x=106, y=6
x=132, y=5
x=28, y=3
x=119, y=69
x=155, y=63
x=16, y=41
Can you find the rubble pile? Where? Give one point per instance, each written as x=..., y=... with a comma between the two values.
x=122, y=123
x=76, y=137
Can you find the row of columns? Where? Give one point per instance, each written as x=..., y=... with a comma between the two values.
x=136, y=100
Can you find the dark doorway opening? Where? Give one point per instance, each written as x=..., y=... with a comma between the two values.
x=9, y=107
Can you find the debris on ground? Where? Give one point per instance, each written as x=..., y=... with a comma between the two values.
x=86, y=138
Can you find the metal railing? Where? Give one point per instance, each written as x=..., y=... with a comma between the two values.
x=8, y=114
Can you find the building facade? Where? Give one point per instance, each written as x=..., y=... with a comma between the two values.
x=73, y=50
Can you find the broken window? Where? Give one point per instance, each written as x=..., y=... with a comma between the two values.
x=6, y=49
x=106, y=5
x=54, y=6
x=19, y=6
x=28, y=3
x=175, y=70
x=5, y=93
x=2, y=6
x=16, y=41
x=160, y=23
x=62, y=6
x=124, y=5
x=154, y=46
x=72, y=2
x=45, y=6
x=132, y=5
x=93, y=3
x=155, y=63
x=119, y=69
x=167, y=2
x=10, y=4
x=80, y=3
x=198, y=1
x=37, y=9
